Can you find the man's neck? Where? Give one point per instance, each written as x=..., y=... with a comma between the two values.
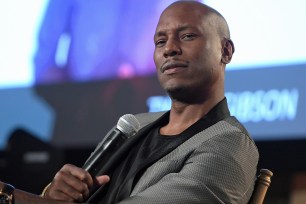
x=183, y=115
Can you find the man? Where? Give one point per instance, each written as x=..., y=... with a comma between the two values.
x=196, y=152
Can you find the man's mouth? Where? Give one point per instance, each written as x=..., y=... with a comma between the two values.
x=173, y=66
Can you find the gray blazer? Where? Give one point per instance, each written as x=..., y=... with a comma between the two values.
x=217, y=165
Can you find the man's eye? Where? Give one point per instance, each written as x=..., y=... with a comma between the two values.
x=160, y=43
x=188, y=36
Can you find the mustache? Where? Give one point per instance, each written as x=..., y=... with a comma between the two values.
x=173, y=63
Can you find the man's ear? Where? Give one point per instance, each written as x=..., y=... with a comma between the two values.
x=228, y=50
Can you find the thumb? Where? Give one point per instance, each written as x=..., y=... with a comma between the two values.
x=101, y=180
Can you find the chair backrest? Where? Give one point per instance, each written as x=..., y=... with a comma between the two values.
x=261, y=186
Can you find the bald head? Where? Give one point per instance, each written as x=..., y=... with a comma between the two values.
x=214, y=18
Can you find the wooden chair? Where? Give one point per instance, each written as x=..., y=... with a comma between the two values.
x=261, y=186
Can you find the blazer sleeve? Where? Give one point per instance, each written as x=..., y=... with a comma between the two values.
x=220, y=170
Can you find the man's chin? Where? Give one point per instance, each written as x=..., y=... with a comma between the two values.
x=185, y=94
x=179, y=93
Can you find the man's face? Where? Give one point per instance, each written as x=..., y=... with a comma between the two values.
x=187, y=51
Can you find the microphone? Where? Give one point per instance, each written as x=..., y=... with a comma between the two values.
x=99, y=161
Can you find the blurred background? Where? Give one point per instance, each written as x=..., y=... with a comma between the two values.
x=69, y=69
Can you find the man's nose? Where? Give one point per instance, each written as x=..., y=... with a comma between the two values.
x=172, y=48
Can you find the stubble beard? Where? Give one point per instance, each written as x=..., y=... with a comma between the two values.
x=183, y=94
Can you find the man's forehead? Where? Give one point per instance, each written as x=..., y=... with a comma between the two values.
x=182, y=20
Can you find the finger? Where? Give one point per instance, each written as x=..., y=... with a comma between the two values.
x=79, y=173
x=68, y=194
x=65, y=183
x=71, y=184
x=101, y=180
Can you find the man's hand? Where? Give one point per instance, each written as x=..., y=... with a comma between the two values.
x=72, y=184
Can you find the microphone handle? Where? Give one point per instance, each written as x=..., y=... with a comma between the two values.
x=98, y=162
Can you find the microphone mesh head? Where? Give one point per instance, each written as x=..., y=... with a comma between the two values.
x=128, y=124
